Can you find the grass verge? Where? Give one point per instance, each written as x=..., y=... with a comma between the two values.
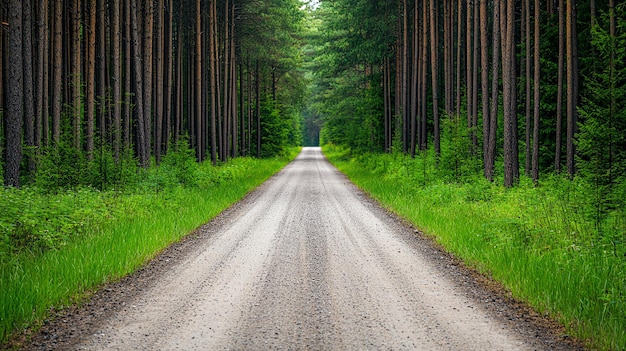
x=140, y=224
x=538, y=241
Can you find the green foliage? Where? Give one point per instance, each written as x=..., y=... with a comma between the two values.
x=459, y=160
x=602, y=138
x=274, y=130
x=539, y=241
x=55, y=247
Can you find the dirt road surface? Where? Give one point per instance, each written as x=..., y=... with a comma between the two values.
x=305, y=262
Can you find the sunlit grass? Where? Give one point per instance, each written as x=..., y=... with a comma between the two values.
x=144, y=224
x=538, y=241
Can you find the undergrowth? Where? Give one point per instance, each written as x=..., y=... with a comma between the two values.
x=58, y=243
x=542, y=242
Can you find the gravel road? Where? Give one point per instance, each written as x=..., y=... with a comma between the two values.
x=305, y=262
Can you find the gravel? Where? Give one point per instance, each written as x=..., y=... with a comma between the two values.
x=306, y=261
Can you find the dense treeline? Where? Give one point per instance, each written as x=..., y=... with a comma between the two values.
x=97, y=84
x=500, y=87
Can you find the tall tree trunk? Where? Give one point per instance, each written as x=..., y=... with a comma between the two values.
x=414, y=79
x=459, y=58
x=102, y=66
x=559, y=94
x=139, y=96
x=233, y=84
x=57, y=70
x=213, y=78
x=528, y=70
x=90, y=97
x=116, y=78
x=405, y=79
x=423, y=137
x=128, y=61
x=484, y=77
x=475, y=55
x=15, y=88
x=148, y=42
x=536, y=96
x=169, y=71
x=468, y=69
x=434, y=59
x=225, y=151
x=75, y=61
x=495, y=93
x=43, y=76
x=160, y=75
x=572, y=83
x=198, y=83
x=447, y=54
x=29, y=97
x=258, y=111
x=511, y=162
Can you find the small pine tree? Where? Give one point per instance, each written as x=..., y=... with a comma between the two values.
x=602, y=136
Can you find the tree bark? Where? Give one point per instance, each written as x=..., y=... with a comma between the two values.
x=572, y=83
x=90, y=97
x=434, y=59
x=536, y=96
x=148, y=42
x=139, y=96
x=559, y=94
x=75, y=62
x=116, y=78
x=29, y=98
x=57, y=71
x=43, y=79
x=511, y=162
x=159, y=88
x=484, y=77
x=495, y=93
x=14, y=94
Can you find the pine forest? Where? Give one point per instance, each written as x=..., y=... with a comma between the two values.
x=519, y=103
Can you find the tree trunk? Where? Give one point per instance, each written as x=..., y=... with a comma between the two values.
x=148, y=31
x=160, y=75
x=405, y=79
x=414, y=80
x=475, y=55
x=116, y=78
x=572, y=83
x=57, y=70
x=527, y=67
x=212, y=78
x=14, y=94
x=434, y=59
x=459, y=35
x=537, y=76
x=198, y=81
x=43, y=98
x=128, y=61
x=29, y=98
x=511, y=162
x=139, y=96
x=90, y=97
x=495, y=94
x=75, y=62
x=468, y=70
x=559, y=94
x=423, y=137
x=484, y=78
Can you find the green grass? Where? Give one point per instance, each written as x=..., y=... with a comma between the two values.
x=540, y=242
x=135, y=226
